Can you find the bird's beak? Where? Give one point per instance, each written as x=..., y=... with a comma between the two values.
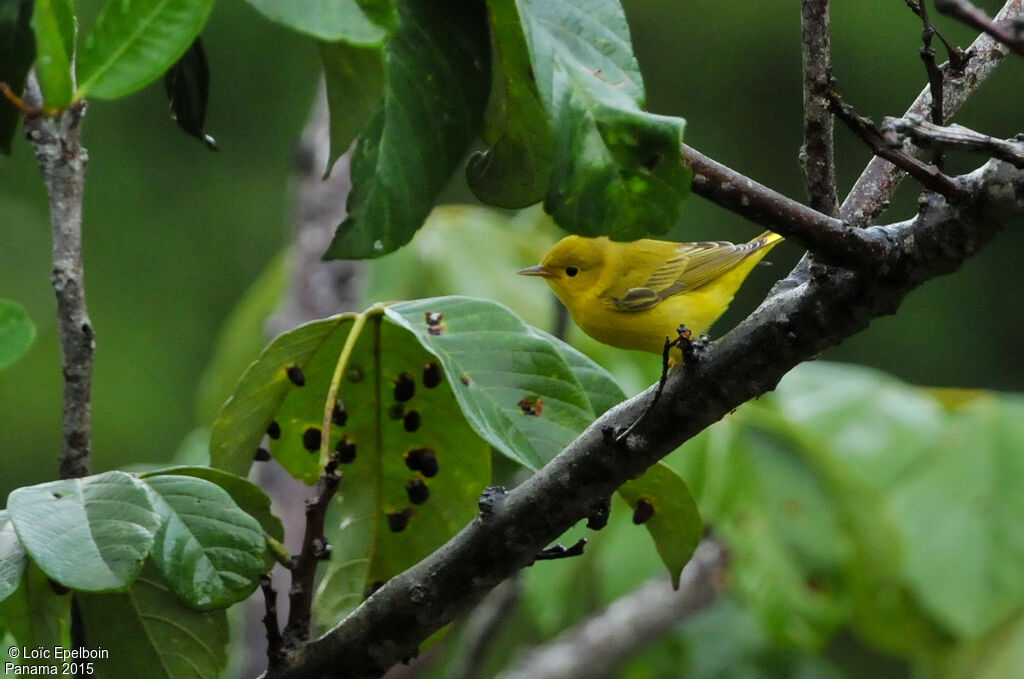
x=538, y=270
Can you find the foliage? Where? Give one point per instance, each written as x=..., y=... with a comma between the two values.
x=851, y=501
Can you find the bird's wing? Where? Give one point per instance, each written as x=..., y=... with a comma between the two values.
x=693, y=266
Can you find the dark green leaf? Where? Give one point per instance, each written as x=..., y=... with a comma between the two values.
x=515, y=169
x=355, y=80
x=17, y=332
x=90, y=534
x=134, y=43
x=208, y=550
x=247, y=495
x=675, y=524
x=54, y=25
x=437, y=73
x=149, y=633
x=617, y=169
x=17, y=52
x=187, y=84
x=357, y=22
x=12, y=556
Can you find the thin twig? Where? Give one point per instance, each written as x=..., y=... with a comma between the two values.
x=275, y=644
x=1002, y=30
x=832, y=240
x=929, y=175
x=596, y=648
x=935, y=80
x=817, y=154
x=314, y=550
x=62, y=160
x=872, y=191
x=928, y=135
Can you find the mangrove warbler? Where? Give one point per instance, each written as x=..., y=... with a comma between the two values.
x=634, y=295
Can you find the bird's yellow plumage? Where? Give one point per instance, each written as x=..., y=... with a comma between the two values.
x=634, y=295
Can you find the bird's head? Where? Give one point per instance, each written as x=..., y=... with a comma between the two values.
x=572, y=267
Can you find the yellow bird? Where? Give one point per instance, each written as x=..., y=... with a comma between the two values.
x=634, y=295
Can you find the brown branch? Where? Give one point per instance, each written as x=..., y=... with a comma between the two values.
x=871, y=193
x=62, y=160
x=928, y=135
x=832, y=240
x=314, y=550
x=1003, y=31
x=935, y=80
x=598, y=647
x=794, y=324
x=817, y=154
x=275, y=643
x=929, y=175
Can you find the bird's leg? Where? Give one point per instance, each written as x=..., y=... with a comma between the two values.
x=685, y=345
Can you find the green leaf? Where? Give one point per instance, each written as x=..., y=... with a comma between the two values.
x=35, y=614
x=148, y=632
x=617, y=169
x=17, y=52
x=355, y=79
x=958, y=510
x=245, y=416
x=499, y=368
x=247, y=495
x=17, y=332
x=90, y=534
x=134, y=43
x=12, y=556
x=515, y=169
x=437, y=73
x=54, y=24
x=208, y=550
x=675, y=524
x=395, y=408
x=602, y=390
x=357, y=22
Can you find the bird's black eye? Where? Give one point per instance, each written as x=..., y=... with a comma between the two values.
x=571, y=271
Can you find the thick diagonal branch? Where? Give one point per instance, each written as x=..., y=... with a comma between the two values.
x=794, y=324
x=62, y=160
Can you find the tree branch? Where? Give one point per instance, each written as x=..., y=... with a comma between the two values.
x=871, y=193
x=1006, y=32
x=928, y=135
x=817, y=154
x=832, y=240
x=795, y=323
x=597, y=648
x=62, y=160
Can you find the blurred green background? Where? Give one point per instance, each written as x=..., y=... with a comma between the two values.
x=175, y=234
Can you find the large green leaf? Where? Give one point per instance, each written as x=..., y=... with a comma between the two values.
x=90, y=534
x=247, y=495
x=17, y=332
x=437, y=73
x=133, y=43
x=17, y=52
x=208, y=550
x=515, y=169
x=357, y=22
x=54, y=24
x=514, y=386
x=617, y=169
x=148, y=632
x=386, y=483
x=355, y=77
x=958, y=509
x=12, y=556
